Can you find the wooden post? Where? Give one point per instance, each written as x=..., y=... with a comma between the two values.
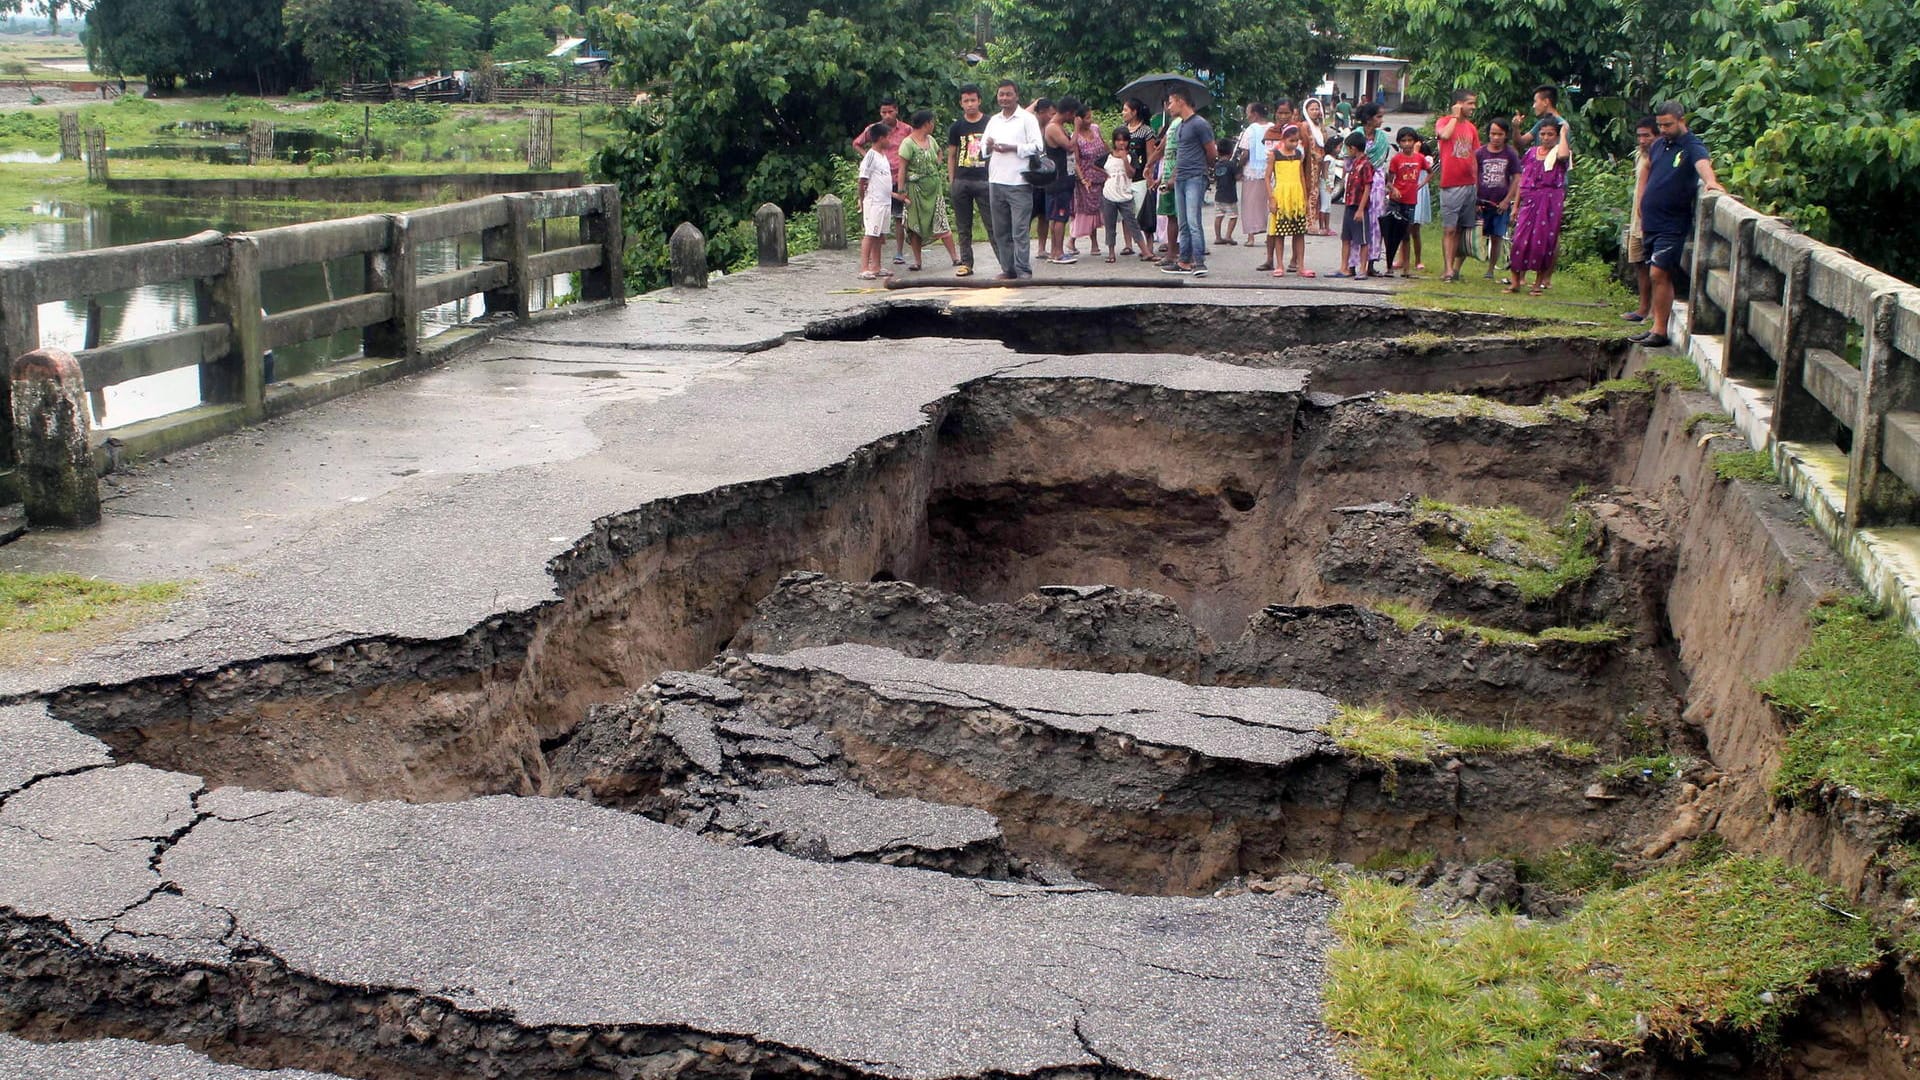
x=608, y=281
x=770, y=234
x=392, y=271
x=508, y=244
x=51, y=440
x=833, y=223
x=234, y=299
x=96, y=396
x=96, y=155
x=70, y=136
x=687, y=259
x=540, y=140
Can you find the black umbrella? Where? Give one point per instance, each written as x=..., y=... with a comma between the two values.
x=1152, y=89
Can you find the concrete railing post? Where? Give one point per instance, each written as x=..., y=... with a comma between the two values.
x=1704, y=317
x=770, y=234
x=234, y=299
x=96, y=155
x=70, y=136
x=19, y=335
x=57, y=480
x=391, y=270
x=687, y=257
x=608, y=281
x=832, y=215
x=1875, y=495
x=1798, y=416
x=1749, y=278
x=508, y=244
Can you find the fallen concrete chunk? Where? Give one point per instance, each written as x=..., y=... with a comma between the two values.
x=846, y=823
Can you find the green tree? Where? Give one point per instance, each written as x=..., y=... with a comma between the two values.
x=443, y=38
x=143, y=38
x=755, y=101
x=351, y=40
x=522, y=32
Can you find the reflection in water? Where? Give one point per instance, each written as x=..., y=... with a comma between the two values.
x=158, y=309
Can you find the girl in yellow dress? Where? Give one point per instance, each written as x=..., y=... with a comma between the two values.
x=1288, y=217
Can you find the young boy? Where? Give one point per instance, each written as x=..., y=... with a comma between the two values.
x=1226, y=200
x=1497, y=169
x=1644, y=133
x=876, y=201
x=1406, y=176
x=1354, y=224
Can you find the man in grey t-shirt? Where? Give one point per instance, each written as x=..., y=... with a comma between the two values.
x=1194, y=153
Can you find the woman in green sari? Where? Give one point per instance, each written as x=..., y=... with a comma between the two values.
x=925, y=188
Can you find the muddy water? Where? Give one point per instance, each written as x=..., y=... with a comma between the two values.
x=159, y=309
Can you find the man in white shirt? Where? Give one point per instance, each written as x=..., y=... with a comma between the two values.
x=1012, y=136
x=1254, y=153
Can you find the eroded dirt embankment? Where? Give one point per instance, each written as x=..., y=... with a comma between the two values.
x=1217, y=499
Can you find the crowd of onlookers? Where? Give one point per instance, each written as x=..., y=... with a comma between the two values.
x=1043, y=178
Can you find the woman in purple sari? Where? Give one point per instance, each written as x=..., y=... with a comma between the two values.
x=1543, y=200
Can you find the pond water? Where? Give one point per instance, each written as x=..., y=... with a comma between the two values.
x=158, y=309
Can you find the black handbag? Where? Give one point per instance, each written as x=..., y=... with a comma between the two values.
x=1040, y=170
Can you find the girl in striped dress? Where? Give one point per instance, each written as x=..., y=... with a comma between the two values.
x=1287, y=218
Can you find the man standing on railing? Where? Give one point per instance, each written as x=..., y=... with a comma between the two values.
x=1677, y=163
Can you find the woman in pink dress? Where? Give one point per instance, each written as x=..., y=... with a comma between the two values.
x=1543, y=202
x=1088, y=151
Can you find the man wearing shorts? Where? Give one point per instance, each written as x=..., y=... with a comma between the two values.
x=1459, y=180
x=1677, y=165
x=1643, y=135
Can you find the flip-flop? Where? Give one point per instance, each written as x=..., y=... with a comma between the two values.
x=1308, y=273
x=963, y=271
x=868, y=275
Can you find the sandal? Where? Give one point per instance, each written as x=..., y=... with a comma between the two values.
x=868, y=275
x=1281, y=271
x=1308, y=273
x=915, y=266
x=1535, y=291
x=1263, y=267
x=1113, y=258
x=963, y=271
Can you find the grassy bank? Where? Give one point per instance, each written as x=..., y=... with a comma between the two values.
x=1732, y=945
x=57, y=614
x=1854, y=695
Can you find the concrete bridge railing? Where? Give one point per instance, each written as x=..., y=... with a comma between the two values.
x=1839, y=340
x=232, y=335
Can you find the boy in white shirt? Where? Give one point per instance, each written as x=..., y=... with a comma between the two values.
x=876, y=202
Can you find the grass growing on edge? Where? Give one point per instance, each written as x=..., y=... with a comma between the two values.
x=1504, y=543
x=1755, y=465
x=1409, y=617
x=56, y=603
x=1854, y=694
x=1672, y=371
x=1575, y=870
x=1736, y=942
x=1376, y=735
x=1582, y=302
x=1711, y=417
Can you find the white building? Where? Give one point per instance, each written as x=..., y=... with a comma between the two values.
x=1361, y=78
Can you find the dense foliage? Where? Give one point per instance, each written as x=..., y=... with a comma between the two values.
x=755, y=101
x=1250, y=50
x=351, y=40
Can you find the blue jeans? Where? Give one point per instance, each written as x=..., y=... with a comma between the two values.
x=1190, y=203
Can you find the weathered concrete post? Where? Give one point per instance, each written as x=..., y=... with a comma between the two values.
x=234, y=299
x=69, y=136
x=540, y=140
x=19, y=335
x=508, y=244
x=392, y=271
x=96, y=155
x=687, y=257
x=1875, y=494
x=259, y=142
x=770, y=234
x=50, y=440
x=608, y=281
x=1703, y=316
x=832, y=216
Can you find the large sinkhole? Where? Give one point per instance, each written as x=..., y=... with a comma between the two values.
x=1261, y=535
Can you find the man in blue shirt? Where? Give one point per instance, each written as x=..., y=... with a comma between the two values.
x=1194, y=152
x=1677, y=162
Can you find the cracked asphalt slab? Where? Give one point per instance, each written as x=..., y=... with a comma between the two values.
x=123, y=1059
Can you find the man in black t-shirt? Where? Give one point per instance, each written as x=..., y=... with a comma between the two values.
x=967, y=173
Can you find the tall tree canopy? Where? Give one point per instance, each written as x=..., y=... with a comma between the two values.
x=205, y=42
x=351, y=40
x=754, y=100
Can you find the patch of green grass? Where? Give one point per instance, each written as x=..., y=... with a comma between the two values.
x=1667, y=370
x=1410, y=617
x=1456, y=405
x=1504, y=543
x=1754, y=465
x=1581, y=302
x=56, y=603
x=1735, y=944
x=1376, y=735
x=1718, y=419
x=1574, y=870
x=1854, y=697
x=1662, y=766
